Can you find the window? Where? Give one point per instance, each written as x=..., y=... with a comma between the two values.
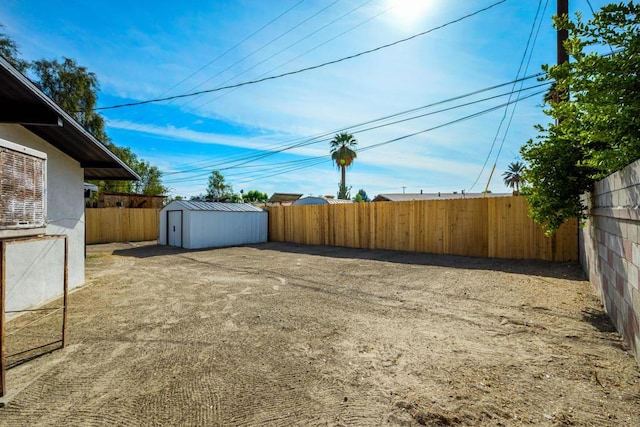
x=22, y=190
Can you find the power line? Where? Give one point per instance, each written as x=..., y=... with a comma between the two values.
x=232, y=48
x=513, y=110
x=186, y=95
x=281, y=65
x=471, y=116
x=300, y=55
x=315, y=140
x=318, y=138
x=265, y=45
x=297, y=162
x=370, y=147
x=593, y=12
x=524, y=56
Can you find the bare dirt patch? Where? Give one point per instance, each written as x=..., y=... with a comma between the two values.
x=287, y=335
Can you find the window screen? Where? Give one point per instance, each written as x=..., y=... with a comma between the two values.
x=22, y=190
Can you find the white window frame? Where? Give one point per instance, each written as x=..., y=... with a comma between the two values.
x=28, y=229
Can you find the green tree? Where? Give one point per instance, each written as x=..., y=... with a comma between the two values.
x=150, y=180
x=255, y=196
x=513, y=176
x=342, y=148
x=218, y=189
x=361, y=196
x=75, y=89
x=9, y=51
x=596, y=130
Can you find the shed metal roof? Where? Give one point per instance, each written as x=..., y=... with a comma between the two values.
x=22, y=102
x=192, y=205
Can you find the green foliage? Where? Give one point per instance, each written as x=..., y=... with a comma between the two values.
x=342, y=148
x=75, y=89
x=150, y=176
x=344, y=192
x=361, y=196
x=150, y=179
x=9, y=51
x=235, y=198
x=255, y=196
x=512, y=177
x=217, y=188
x=596, y=130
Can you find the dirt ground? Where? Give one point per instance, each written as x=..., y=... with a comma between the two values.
x=286, y=335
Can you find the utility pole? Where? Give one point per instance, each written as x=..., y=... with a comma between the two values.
x=563, y=35
x=562, y=57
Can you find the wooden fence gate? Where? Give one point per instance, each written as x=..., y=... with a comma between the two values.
x=108, y=225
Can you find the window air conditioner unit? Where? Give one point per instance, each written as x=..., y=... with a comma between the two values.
x=23, y=190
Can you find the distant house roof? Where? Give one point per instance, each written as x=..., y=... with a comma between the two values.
x=25, y=104
x=402, y=197
x=283, y=197
x=113, y=193
x=319, y=201
x=192, y=205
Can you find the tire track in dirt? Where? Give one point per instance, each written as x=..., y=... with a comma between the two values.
x=206, y=338
x=199, y=403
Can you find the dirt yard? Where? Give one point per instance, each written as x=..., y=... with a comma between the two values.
x=285, y=335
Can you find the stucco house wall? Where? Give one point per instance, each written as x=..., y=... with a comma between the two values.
x=31, y=124
x=65, y=215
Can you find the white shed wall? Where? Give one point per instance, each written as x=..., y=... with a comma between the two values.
x=207, y=229
x=186, y=230
x=65, y=213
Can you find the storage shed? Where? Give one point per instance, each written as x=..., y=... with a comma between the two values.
x=195, y=225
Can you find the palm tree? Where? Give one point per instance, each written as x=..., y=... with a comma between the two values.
x=513, y=176
x=343, y=147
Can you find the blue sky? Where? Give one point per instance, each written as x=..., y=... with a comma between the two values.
x=146, y=49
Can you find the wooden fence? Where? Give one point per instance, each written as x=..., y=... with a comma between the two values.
x=495, y=227
x=107, y=225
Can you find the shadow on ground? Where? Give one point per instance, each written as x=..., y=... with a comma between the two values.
x=559, y=270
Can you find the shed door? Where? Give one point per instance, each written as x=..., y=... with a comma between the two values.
x=174, y=225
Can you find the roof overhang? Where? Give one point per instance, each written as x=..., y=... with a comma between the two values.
x=284, y=197
x=23, y=103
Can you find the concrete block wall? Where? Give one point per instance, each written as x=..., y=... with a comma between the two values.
x=610, y=249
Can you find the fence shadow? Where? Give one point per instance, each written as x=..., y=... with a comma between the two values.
x=561, y=270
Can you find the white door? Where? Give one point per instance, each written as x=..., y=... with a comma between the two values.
x=174, y=232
